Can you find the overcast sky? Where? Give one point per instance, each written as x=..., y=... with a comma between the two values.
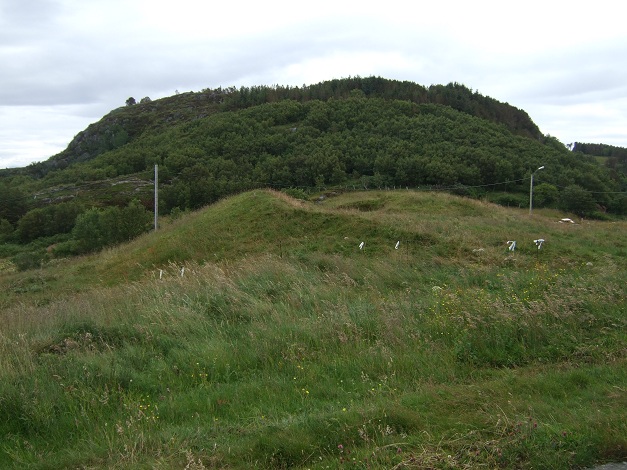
x=66, y=63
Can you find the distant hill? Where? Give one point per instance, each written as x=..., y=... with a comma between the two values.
x=603, y=150
x=614, y=158
x=123, y=125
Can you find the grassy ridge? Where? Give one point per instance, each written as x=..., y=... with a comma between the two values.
x=285, y=345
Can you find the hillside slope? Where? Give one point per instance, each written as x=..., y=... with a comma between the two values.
x=260, y=333
x=442, y=228
x=129, y=123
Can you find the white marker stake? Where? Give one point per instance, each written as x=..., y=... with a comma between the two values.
x=398, y=243
x=160, y=274
x=512, y=245
x=361, y=245
x=539, y=242
x=182, y=271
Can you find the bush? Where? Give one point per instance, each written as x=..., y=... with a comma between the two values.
x=9, y=249
x=618, y=205
x=176, y=213
x=6, y=230
x=47, y=221
x=511, y=200
x=461, y=190
x=67, y=248
x=296, y=193
x=577, y=200
x=28, y=260
x=544, y=195
x=97, y=228
x=598, y=215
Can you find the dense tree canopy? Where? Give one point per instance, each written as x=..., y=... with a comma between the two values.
x=97, y=228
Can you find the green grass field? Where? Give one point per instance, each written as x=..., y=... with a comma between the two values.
x=257, y=334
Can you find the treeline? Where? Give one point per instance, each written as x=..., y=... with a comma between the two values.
x=455, y=95
x=366, y=143
x=69, y=229
x=601, y=150
x=615, y=157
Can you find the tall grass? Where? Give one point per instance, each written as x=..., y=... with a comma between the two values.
x=454, y=353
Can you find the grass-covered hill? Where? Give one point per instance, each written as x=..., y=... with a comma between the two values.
x=256, y=333
x=355, y=132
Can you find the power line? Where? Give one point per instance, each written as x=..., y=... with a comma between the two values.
x=76, y=188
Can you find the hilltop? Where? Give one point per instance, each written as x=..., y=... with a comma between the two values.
x=126, y=124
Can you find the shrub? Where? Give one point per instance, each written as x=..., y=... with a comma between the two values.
x=577, y=200
x=545, y=195
x=28, y=260
x=6, y=229
x=296, y=193
x=511, y=200
x=97, y=228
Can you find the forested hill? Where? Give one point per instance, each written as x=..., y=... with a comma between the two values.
x=343, y=134
x=141, y=116
x=613, y=157
x=601, y=150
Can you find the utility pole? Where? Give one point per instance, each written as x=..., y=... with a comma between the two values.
x=531, y=190
x=156, y=196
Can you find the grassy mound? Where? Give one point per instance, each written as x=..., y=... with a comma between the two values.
x=257, y=334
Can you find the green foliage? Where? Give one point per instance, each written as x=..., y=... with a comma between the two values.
x=132, y=221
x=33, y=225
x=296, y=193
x=6, y=229
x=12, y=202
x=545, y=195
x=577, y=200
x=619, y=204
x=97, y=228
x=47, y=221
x=26, y=260
x=602, y=150
x=510, y=200
x=89, y=231
x=393, y=143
